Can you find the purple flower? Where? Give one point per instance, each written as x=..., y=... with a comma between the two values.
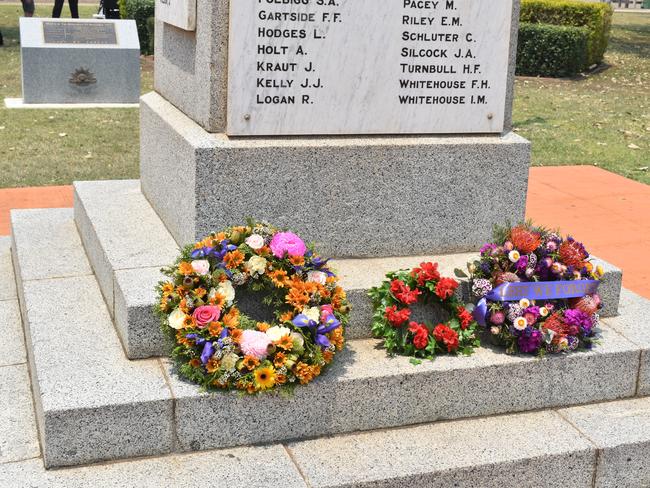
x=533, y=310
x=579, y=318
x=530, y=342
x=522, y=264
x=488, y=248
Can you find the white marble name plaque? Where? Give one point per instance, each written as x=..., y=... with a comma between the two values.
x=299, y=67
x=180, y=13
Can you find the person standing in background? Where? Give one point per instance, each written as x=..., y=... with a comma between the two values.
x=28, y=8
x=58, y=6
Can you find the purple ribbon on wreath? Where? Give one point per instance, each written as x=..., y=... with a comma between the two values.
x=534, y=290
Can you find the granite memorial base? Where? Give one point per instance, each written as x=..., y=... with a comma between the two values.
x=19, y=103
x=353, y=196
x=79, y=61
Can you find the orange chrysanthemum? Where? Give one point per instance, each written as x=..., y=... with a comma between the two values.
x=195, y=363
x=185, y=268
x=279, y=278
x=286, y=317
x=336, y=338
x=525, y=240
x=213, y=365
x=338, y=298
x=285, y=342
x=215, y=329
x=297, y=260
x=297, y=298
x=200, y=292
x=182, y=340
x=279, y=360
x=231, y=319
x=572, y=253
x=168, y=288
x=233, y=259
x=236, y=335
x=251, y=362
x=304, y=372
x=263, y=326
x=328, y=356
x=217, y=299
x=280, y=379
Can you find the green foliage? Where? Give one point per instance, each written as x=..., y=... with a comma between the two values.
x=596, y=17
x=551, y=50
x=141, y=11
x=122, y=5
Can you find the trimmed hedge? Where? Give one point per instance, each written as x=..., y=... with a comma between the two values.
x=596, y=17
x=551, y=50
x=141, y=11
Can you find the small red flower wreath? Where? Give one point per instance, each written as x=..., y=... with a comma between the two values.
x=401, y=335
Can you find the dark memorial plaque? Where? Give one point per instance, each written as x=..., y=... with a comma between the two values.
x=79, y=33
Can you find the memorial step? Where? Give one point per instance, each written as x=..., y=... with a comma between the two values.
x=127, y=244
x=93, y=404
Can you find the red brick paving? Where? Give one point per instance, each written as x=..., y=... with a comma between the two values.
x=609, y=213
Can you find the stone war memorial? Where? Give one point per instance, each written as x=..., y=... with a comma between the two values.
x=79, y=61
x=190, y=325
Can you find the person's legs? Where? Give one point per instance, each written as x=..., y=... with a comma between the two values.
x=28, y=8
x=56, y=11
x=74, y=8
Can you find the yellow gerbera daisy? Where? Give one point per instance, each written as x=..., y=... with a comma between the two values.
x=265, y=377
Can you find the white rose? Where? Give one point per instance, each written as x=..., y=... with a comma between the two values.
x=229, y=361
x=312, y=313
x=276, y=333
x=226, y=290
x=255, y=241
x=201, y=267
x=177, y=319
x=317, y=277
x=256, y=265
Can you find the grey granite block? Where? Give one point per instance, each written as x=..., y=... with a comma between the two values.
x=363, y=381
x=634, y=324
x=353, y=197
x=120, y=231
x=8, y=282
x=621, y=432
x=46, y=244
x=610, y=287
x=250, y=467
x=19, y=439
x=138, y=326
x=12, y=344
x=92, y=403
x=526, y=450
x=50, y=71
x=191, y=67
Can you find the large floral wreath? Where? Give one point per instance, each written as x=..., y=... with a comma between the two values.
x=536, y=260
x=217, y=345
x=392, y=314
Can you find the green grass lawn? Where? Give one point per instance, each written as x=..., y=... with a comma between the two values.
x=52, y=147
x=603, y=119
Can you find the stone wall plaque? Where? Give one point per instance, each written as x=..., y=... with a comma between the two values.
x=299, y=67
x=79, y=33
x=179, y=13
x=79, y=61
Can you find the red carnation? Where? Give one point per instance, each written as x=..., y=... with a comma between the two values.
x=464, y=316
x=446, y=288
x=446, y=335
x=420, y=335
x=397, y=317
x=403, y=292
x=426, y=272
